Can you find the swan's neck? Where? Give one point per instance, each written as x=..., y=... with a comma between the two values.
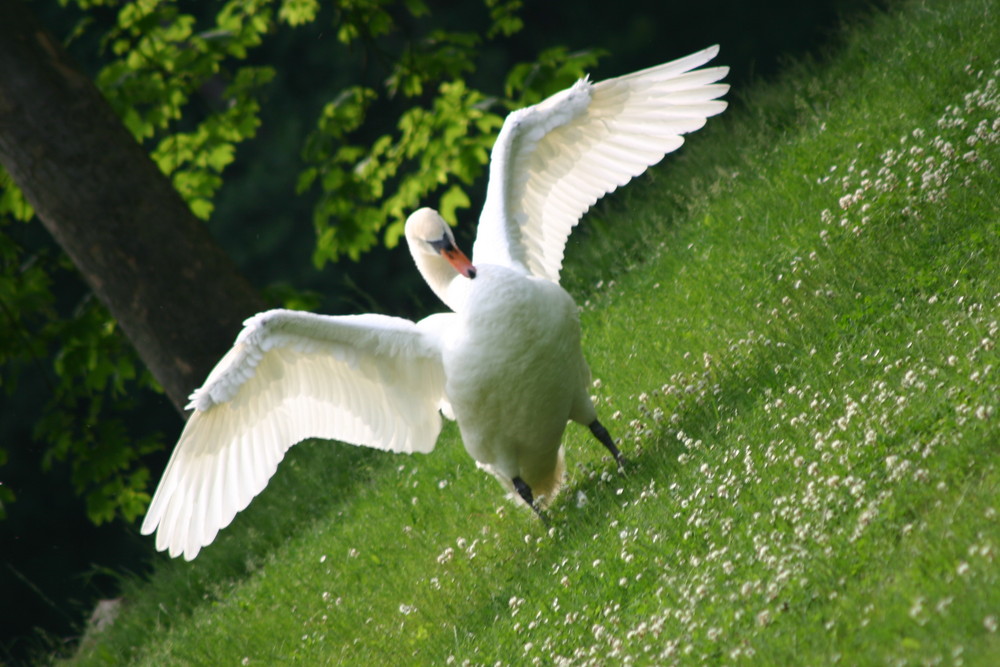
x=448, y=284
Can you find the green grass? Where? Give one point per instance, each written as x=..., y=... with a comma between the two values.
x=794, y=328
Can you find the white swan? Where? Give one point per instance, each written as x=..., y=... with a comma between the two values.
x=507, y=363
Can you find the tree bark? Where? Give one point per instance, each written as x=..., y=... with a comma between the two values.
x=176, y=294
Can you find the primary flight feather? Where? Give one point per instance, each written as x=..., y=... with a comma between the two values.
x=506, y=363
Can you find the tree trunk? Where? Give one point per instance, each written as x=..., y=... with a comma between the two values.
x=177, y=296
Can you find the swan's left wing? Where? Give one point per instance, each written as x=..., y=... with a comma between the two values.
x=364, y=379
x=554, y=160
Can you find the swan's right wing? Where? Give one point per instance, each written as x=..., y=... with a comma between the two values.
x=552, y=161
x=364, y=379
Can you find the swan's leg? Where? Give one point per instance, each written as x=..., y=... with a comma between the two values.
x=602, y=434
x=525, y=492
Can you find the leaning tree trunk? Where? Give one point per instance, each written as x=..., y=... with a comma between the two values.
x=177, y=296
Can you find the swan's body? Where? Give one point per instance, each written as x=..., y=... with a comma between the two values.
x=518, y=338
x=506, y=363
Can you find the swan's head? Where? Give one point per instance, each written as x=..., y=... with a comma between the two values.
x=427, y=233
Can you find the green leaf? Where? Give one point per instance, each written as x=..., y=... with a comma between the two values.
x=6, y=498
x=417, y=7
x=506, y=22
x=451, y=200
x=12, y=201
x=298, y=12
x=202, y=208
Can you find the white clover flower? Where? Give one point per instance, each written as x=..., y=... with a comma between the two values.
x=943, y=604
x=917, y=608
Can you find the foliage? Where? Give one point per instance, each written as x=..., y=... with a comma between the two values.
x=161, y=63
x=94, y=372
x=801, y=365
x=184, y=86
x=369, y=191
x=157, y=64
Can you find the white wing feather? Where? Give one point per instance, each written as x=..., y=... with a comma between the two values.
x=364, y=379
x=554, y=160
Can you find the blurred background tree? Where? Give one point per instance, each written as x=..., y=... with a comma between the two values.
x=270, y=118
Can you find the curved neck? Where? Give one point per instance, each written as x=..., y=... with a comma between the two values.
x=448, y=284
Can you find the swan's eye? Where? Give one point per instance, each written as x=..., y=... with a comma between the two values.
x=445, y=244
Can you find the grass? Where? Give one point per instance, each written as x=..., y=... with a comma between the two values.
x=793, y=332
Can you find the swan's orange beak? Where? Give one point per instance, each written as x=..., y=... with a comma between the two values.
x=458, y=259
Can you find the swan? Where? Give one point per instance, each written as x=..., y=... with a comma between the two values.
x=506, y=363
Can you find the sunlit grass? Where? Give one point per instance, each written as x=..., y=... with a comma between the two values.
x=792, y=330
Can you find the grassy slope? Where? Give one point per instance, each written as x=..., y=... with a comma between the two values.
x=806, y=385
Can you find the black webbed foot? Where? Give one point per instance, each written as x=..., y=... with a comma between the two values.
x=602, y=434
x=524, y=491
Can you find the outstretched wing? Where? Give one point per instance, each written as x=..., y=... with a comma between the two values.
x=364, y=379
x=554, y=160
